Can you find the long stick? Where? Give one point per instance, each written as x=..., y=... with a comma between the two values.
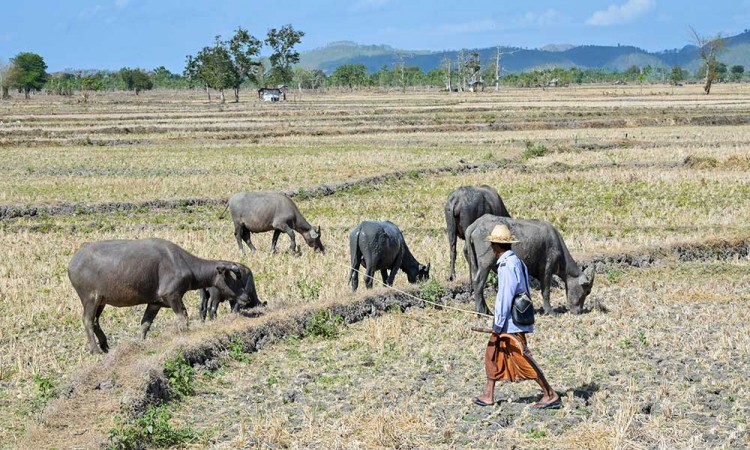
x=482, y=330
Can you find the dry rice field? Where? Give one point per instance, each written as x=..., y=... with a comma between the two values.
x=659, y=359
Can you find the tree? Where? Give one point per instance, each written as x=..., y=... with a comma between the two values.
x=282, y=42
x=136, y=80
x=676, y=75
x=225, y=65
x=28, y=72
x=737, y=72
x=721, y=71
x=4, y=81
x=709, y=50
x=349, y=75
x=243, y=48
x=88, y=83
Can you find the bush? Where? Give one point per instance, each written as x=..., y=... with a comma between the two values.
x=150, y=430
x=180, y=375
x=432, y=291
x=323, y=325
x=534, y=150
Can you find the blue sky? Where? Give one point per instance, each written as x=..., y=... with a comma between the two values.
x=109, y=34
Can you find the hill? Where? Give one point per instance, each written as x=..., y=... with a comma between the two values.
x=518, y=59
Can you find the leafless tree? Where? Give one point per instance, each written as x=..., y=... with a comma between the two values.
x=498, y=67
x=709, y=50
x=448, y=75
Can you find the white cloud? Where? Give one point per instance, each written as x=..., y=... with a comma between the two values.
x=527, y=20
x=368, y=5
x=619, y=14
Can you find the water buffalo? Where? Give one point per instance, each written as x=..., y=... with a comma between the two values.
x=258, y=212
x=154, y=272
x=541, y=248
x=465, y=205
x=381, y=246
x=211, y=297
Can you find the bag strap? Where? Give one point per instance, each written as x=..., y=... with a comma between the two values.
x=526, y=274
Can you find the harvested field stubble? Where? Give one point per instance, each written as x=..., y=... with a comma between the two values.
x=617, y=188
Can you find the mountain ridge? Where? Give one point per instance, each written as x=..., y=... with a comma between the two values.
x=517, y=59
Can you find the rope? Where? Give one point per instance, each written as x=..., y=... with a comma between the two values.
x=413, y=296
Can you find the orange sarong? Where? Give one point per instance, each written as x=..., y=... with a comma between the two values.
x=508, y=358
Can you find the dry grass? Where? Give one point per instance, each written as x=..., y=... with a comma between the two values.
x=611, y=187
x=644, y=374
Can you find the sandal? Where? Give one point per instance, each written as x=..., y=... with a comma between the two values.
x=557, y=404
x=480, y=402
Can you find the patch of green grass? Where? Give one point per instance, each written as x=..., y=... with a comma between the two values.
x=181, y=375
x=309, y=290
x=45, y=388
x=534, y=150
x=614, y=275
x=536, y=434
x=322, y=324
x=271, y=380
x=152, y=430
x=237, y=350
x=642, y=338
x=432, y=291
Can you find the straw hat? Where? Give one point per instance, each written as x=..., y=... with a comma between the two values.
x=501, y=235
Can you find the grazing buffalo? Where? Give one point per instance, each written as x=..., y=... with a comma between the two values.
x=153, y=272
x=258, y=212
x=381, y=246
x=211, y=297
x=541, y=248
x=465, y=205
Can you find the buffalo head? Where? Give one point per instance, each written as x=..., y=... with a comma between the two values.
x=312, y=238
x=578, y=288
x=235, y=281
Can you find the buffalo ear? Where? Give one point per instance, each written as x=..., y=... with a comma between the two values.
x=315, y=232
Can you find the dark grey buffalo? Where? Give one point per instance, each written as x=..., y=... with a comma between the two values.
x=212, y=296
x=541, y=248
x=153, y=272
x=258, y=212
x=465, y=205
x=381, y=246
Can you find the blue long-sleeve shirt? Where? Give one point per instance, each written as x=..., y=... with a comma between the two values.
x=512, y=279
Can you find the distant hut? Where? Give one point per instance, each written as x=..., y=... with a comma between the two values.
x=272, y=94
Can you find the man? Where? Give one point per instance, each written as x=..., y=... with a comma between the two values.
x=507, y=356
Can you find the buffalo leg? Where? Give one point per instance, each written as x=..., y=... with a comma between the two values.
x=275, y=240
x=369, y=276
x=88, y=318
x=238, y=236
x=394, y=269
x=152, y=310
x=452, y=242
x=175, y=302
x=478, y=282
x=98, y=330
x=247, y=237
x=203, y=308
x=546, y=283
x=354, y=276
x=384, y=275
x=215, y=299
x=293, y=245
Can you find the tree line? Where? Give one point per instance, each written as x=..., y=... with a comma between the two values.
x=235, y=63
